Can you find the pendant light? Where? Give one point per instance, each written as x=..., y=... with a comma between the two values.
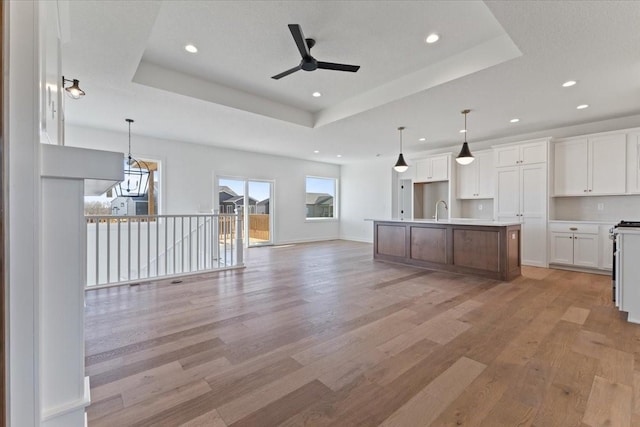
x=401, y=165
x=465, y=157
x=136, y=175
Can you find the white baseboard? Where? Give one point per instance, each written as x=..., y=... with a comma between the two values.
x=356, y=239
x=75, y=409
x=293, y=242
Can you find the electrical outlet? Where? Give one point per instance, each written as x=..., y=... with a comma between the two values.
x=480, y=207
x=600, y=206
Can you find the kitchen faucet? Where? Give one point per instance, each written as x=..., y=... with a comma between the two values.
x=445, y=206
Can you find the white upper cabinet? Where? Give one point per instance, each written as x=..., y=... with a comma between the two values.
x=590, y=166
x=522, y=154
x=476, y=180
x=633, y=163
x=570, y=177
x=433, y=169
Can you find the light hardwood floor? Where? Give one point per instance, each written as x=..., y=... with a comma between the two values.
x=320, y=334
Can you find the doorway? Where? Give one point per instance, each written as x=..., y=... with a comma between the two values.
x=252, y=200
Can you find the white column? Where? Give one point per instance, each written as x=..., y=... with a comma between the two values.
x=23, y=213
x=62, y=303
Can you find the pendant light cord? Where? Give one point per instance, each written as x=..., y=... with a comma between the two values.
x=465, y=127
x=130, y=158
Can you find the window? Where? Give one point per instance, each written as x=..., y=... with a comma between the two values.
x=109, y=204
x=321, y=197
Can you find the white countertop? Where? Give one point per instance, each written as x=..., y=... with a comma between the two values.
x=452, y=221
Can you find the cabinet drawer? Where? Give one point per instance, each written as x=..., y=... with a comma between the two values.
x=573, y=228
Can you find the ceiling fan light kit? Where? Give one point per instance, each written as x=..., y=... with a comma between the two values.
x=308, y=62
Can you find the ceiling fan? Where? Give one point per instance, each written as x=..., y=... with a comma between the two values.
x=308, y=62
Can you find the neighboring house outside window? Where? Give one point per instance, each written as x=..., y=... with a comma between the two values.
x=109, y=204
x=229, y=201
x=321, y=198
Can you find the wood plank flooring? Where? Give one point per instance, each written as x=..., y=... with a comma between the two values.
x=321, y=335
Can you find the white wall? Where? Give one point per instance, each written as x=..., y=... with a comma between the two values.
x=365, y=192
x=188, y=172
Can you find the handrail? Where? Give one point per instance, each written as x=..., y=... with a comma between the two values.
x=125, y=249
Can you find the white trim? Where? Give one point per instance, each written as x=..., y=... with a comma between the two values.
x=67, y=408
x=293, y=242
x=357, y=239
x=157, y=280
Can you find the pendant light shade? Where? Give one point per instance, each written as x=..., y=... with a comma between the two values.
x=136, y=175
x=401, y=165
x=465, y=157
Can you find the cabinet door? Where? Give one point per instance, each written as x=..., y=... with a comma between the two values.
x=507, y=203
x=585, y=250
x=633, y=163
x=439, y=168
x=534, y=242
x=486, y=174
x=533, y=190
x=535, y=152
x=561, y=248
x=606, y=248
x=468, y=180
x=570, y=170
x=607, y=163
x=507, y=156
x=533, y=212
x=423, y=170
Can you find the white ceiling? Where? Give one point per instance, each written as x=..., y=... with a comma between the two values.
x=500, y=59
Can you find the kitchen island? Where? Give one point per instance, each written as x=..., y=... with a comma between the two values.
x=476, y=247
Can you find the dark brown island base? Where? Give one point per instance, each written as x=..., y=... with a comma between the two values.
x=481, y=248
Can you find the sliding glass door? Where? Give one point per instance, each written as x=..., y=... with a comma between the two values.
x=259, y=215
x=251, y=199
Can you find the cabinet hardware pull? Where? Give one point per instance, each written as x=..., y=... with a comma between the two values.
x=573, y=228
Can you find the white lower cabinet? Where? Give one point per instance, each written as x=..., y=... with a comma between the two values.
x=574, y=249
x=580, y=245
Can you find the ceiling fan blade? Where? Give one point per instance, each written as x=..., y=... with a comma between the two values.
x=286, y=73
x=298, y=37
x=338, y=67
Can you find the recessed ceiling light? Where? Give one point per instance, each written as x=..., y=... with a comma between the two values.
x=316, y=151
x=432, y=38
x=514, y=120
x=422, y=139
x=316, y=94
x=569, y=83
x=582, y=106
x=339, y=155
x=463, y=131
x=191, y=48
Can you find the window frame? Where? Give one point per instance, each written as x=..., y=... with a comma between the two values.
x=335, y=216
